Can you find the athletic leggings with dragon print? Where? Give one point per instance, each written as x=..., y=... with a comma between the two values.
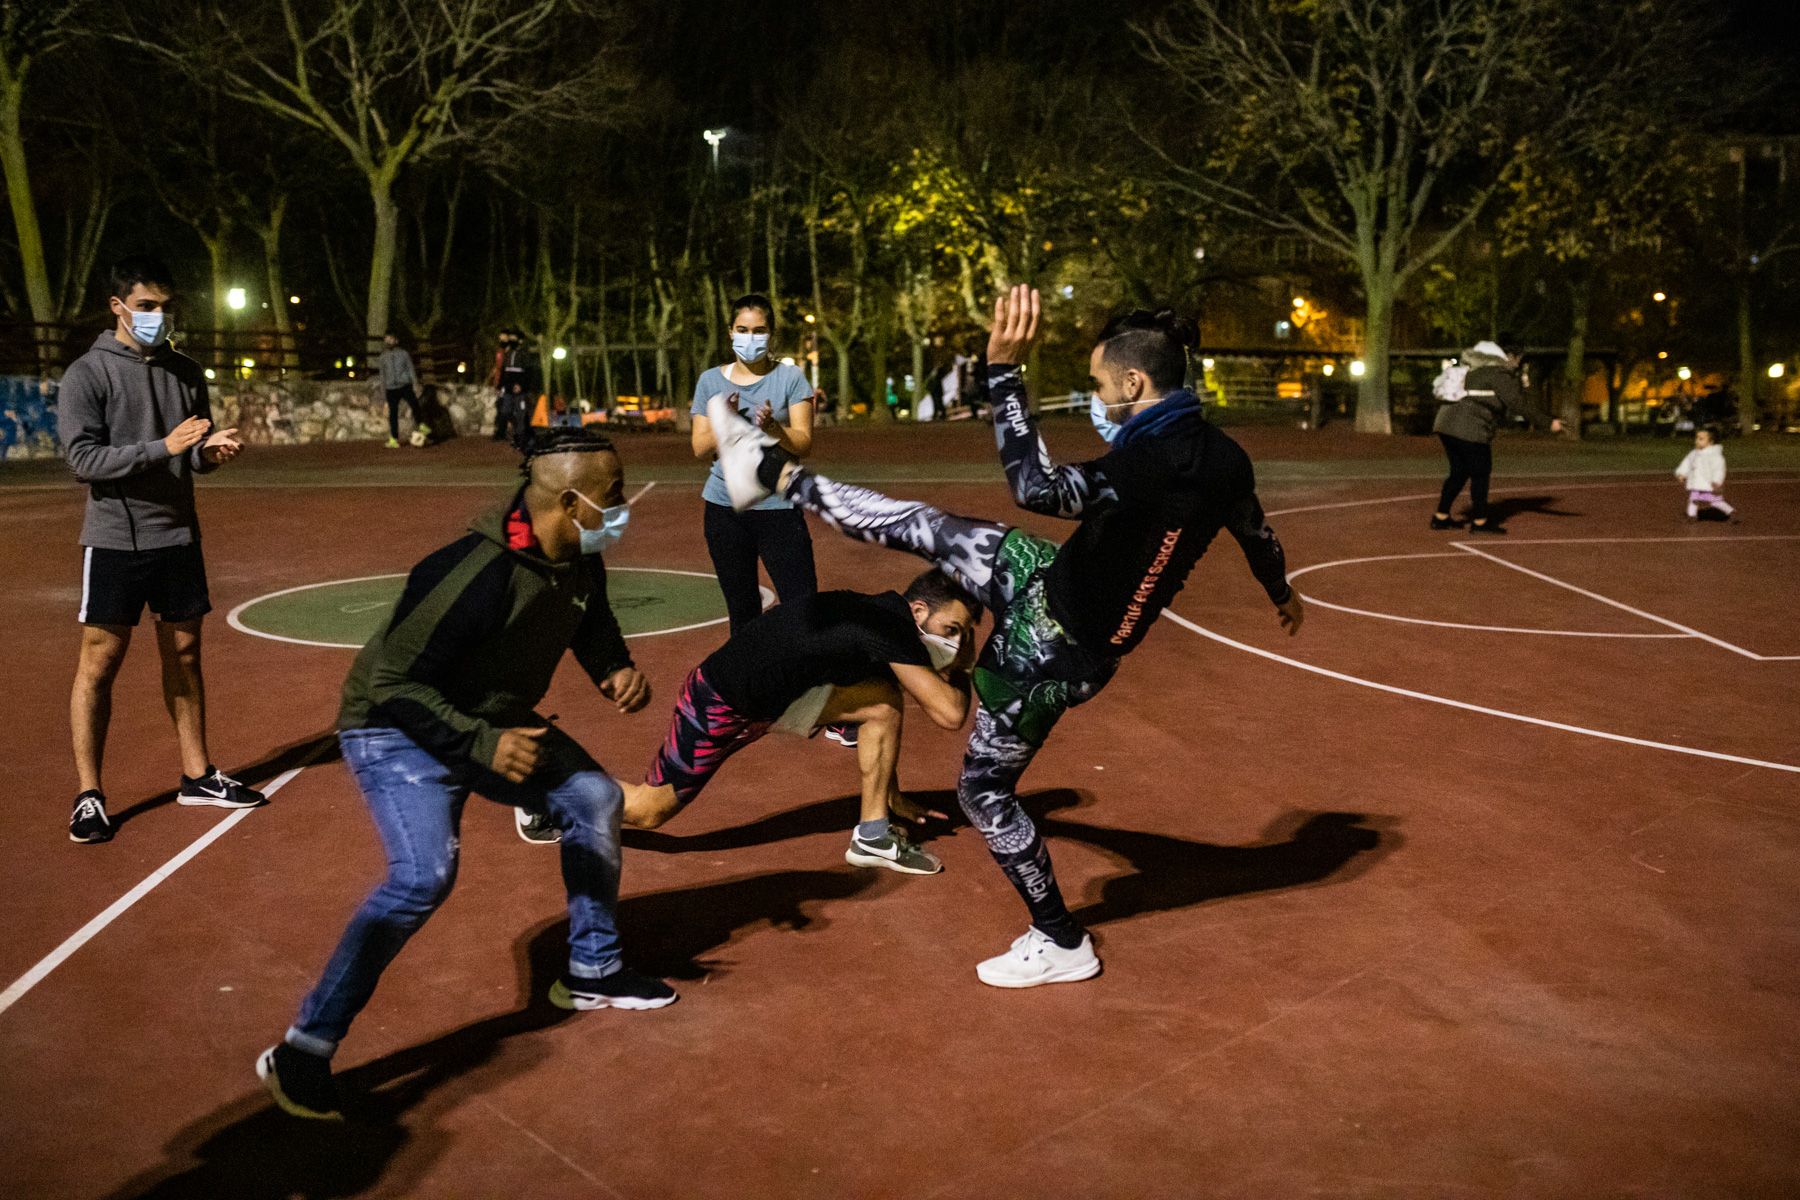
x=1028, y=675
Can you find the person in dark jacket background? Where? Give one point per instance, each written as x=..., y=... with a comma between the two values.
x=1064, y=616
x=441, y=703
x=1491, y=391
x=135, y=424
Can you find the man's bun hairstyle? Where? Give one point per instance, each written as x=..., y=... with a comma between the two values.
x=1155, y=342
x=934, y=589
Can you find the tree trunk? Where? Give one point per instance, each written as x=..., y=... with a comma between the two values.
x=1575, y=363
x=270, y=234
x=224, y=343
x=606, y=370
x=1373, y=411
x=24, y=211
x=381, y=262
x=1747, y=414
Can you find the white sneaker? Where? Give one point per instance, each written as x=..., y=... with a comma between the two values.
x=740, y=452
x=1034, y=959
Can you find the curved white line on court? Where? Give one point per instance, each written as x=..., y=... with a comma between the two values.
x=1383, y=616
x=234, y=617
x=1523, y=718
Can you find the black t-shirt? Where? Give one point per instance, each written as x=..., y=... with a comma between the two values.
x=840, y=638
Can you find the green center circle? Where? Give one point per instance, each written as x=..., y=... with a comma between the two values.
x=348, y=612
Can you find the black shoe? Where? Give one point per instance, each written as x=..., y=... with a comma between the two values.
x=300, y=1082
x=536, y=828
x=89, y=822
x=624, y=988
x=1445, y=523
x=1490, y=527
x=219, y=790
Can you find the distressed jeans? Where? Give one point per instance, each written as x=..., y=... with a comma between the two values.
x=417, y=804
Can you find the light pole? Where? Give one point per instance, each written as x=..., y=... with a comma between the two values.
x=713, y=138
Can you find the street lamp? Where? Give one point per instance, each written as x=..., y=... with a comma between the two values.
x=713, y=138
x=1683, y=373
x=1659, y=297
x=1357, y=367
x=560, y=353
x=236, y=299
x=1777, y=370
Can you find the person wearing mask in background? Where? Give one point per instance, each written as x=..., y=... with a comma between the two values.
x=400, y=382
x=777, y=398
x=520, y=383
x=1476, y=393
x=135, y=423
x=442, y=703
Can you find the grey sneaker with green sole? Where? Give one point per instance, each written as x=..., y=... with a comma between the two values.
x=893, y=852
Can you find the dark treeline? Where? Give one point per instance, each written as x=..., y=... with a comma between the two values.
x=1417, y=172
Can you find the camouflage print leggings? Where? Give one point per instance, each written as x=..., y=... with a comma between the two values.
x=1029, y=673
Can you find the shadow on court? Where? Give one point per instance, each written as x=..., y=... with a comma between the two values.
x=1166, y=872
x=1505, y=508
x=286, y=758
x=249, y=1150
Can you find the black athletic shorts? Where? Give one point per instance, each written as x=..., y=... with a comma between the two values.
x=117, y=584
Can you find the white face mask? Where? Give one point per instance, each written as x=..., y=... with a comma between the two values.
x=943, y=650
x=1105, y=426
x=750, y=347
x=613, y=521
x=151, y=329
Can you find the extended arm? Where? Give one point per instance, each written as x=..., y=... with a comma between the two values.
x=1262, y=549
x=1038, y=483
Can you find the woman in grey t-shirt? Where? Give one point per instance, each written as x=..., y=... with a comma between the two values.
x=778, y=398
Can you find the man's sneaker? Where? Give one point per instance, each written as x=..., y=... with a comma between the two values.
x=741, y=447
x=89, y=822
x=1035, y=959
x=300, y=1082
x=843, y=735
x=219, y=790
x=393, y=443
x=624, y=988
x=536, y=827
x=894, y=852
x=1445, y=523
x=1489, y=527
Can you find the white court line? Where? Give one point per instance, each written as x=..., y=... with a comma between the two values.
x=1384, y=616
x=81, y=937
x=1569, y=487
x=1476, y=708
x=233, y=618
x=1620, y=605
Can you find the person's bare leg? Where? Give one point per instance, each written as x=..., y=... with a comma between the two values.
x=90, y=700
x=184, y=691
x=647, y=806
x=876, y=707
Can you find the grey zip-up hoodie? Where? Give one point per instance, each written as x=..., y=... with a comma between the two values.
x=113, y=410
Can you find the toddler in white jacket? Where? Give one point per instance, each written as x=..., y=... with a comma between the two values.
x=1702, y=472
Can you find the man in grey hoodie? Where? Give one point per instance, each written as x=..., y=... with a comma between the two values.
x=136, y=427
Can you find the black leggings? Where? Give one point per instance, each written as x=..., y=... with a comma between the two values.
x=778, y=536
x=394, y=397
x=1470, y=463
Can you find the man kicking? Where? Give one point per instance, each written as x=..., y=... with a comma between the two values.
x=820, y=660
x=439, y=704
x=1063, y=616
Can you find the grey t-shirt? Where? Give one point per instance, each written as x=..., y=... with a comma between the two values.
x=781, y=389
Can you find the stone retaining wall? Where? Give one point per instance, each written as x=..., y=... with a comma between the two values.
x=277, y=413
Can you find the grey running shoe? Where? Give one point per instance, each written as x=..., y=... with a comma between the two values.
x=894, y=852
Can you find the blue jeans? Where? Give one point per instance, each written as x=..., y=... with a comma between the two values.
x=417, y=803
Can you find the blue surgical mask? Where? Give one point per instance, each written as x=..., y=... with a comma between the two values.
x=151, y=329
x=613, y=521
x=1107, y=428
x=751, y=347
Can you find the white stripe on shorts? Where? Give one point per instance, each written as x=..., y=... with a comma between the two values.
x=87, y=569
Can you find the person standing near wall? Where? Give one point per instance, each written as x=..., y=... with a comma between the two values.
x=400, y=381
x=135, y=423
